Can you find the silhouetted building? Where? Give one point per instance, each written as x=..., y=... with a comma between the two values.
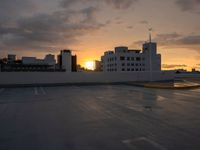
x=67, y=61
x=28, y=64
x=74, y=63
x=11, y=58
x=98, y=66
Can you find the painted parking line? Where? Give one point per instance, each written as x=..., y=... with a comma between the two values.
x=42, y=90
x=142, y=143
x=36, y=91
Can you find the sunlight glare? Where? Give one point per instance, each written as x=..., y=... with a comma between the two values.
x=90, y=65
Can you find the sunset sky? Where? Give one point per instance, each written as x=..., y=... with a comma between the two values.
x=90, y=27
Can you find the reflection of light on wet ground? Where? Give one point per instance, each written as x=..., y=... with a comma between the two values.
x=99, y=117
x=185, y=83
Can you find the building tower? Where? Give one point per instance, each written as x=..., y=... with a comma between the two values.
x=67, y=61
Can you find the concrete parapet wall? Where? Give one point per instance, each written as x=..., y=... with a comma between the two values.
x=28, y=78
x=188, y=75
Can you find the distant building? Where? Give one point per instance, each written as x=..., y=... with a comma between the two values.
x=123, y=59
x=194, y=70
x=67, y=61
x=180, y=71
x=50, y=59
x=74, y=63
x=11, y=58
x=80, y=68
x=97, y=65
x=29, y=60
x=29, y=64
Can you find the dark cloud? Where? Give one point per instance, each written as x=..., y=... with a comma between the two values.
x=189, y=40
x=49, y=30
x=175, y=39
x=129, y=27
x=22, y=27
x=118, y=4
x=167, y=37
x=172, y=66
x=144, y=22
x=13, y=8
x=189, y=5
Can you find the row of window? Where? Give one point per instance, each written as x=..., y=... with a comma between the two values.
x=123, y=64
x=126, y=58
x=128, y=69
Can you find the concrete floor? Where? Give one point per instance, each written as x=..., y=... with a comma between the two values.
x=99, y=118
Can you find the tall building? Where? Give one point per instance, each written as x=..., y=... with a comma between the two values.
x=98, y=66
x=74, y=63
x=67, y=61
x=123, y=59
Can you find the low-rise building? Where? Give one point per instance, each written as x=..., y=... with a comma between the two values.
x=124, y=59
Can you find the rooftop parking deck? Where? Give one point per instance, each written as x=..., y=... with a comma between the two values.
x=106, y=117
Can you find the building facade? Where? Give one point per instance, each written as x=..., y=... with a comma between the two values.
x=123, y=59
x=67, y=61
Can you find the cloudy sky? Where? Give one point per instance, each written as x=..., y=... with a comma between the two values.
x=90, y=27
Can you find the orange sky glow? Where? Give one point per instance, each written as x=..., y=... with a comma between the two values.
x=91, y=27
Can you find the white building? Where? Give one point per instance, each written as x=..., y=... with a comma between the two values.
x=67, y=61
x=29, y=60
x=124, y=59
x=48, y=60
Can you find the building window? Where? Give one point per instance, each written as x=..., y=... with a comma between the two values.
x=128, y=64
x=128, y=69
x=128, y=58
x=122, y=58
x=132, y=58
x=138, y=58
x=123, y=64
x=132, y=69
x=136, y=69
x=136, y=64
x=132, y=64
x=123, y=69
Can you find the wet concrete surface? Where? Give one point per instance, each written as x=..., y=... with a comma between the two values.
x=99, y=118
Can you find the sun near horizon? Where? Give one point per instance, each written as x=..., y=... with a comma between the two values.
x=89, y=65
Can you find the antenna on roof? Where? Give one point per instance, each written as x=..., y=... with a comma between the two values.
x=150, y=30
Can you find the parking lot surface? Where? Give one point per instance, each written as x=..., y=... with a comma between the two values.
x=109, y=117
